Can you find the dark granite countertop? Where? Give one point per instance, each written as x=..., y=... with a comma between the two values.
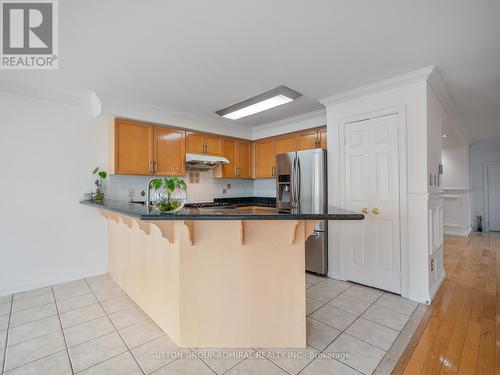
x=234, y=212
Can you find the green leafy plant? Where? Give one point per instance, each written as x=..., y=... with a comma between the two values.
x=99, y=195
x=166, y=203
x=102, y=174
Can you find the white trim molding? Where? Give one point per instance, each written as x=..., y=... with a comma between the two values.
x=376, y=87
x=120, y=106
x=430, y=74
x=78, y=100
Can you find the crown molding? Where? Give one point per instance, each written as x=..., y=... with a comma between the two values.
x=78, y=100
x=437, y=83
x=386, y=84
x=120, y=106
x=291, y=124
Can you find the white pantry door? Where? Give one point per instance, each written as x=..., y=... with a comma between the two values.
x=494, y=197
x=373, y=253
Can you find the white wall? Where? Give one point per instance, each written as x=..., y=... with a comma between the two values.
x=411, y=100
x=456, y=187
x=47, y=153
x=480, y=154
x=48, y=149
x=436, y=117
x=456, y=167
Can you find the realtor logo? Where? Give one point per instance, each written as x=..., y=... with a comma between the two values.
x=29, y=35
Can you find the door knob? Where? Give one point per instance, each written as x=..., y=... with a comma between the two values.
x=376, y=211
x=365, y=210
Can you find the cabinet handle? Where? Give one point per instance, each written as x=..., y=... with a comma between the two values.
x=365, y=210
x=206, y=149
x=272, y=171
x=151, y=168
x=376, y=211
x=155, y=167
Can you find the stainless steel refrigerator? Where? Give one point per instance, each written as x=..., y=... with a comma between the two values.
x=301, y=182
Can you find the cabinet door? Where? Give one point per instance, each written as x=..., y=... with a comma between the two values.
x=264, y=159
x=169, y=151
x=284, y=145
x=322, y=138
x=195, y=143
x=213, y=145
x=133, y=148
x=244, y=159
x=307, y=140
x=229, y=152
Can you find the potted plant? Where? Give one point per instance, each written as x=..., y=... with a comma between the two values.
x=98, y=195
x=170, y=194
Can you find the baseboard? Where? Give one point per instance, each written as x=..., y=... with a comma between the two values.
x=461, y=232
x=437, y=285
x=48, y=282
x=418, y=297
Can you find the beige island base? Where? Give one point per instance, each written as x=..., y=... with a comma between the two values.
x=225, y=283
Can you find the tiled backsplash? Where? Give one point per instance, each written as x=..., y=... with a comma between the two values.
x=202, y=187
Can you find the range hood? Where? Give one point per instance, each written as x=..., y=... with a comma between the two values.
x=200, y=162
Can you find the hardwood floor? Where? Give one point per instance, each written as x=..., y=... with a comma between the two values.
x=459, y=333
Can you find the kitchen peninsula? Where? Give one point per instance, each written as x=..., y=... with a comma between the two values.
x=216, y=277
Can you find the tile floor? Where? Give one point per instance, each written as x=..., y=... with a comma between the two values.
x=91, y=327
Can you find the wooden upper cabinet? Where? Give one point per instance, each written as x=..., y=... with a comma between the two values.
x=169, y=151
x=307, y=140
x=239, y=155
x=213, y=145
x=229, y=152
x=310, y=139
x=133, y=148
x=195, y=143
x=264, y=159
x=283, y=145
x=322, y=138
x=244, y=150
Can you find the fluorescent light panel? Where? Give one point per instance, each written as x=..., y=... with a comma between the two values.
x=262, y=102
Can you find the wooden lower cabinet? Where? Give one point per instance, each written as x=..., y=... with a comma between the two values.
x=169, y=155
x=264, y=159
x=133, y=147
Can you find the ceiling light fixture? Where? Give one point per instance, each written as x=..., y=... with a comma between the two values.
x=444, y=135
x=262, y=102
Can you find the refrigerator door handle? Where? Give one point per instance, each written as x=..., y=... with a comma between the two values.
x=298, y=180
x=293, y=182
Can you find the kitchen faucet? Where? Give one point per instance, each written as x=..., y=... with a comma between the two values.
x=148, y=193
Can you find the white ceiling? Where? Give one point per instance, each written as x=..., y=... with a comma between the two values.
x=200, y=56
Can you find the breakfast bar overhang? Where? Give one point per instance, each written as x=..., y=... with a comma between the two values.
x=227, y=278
